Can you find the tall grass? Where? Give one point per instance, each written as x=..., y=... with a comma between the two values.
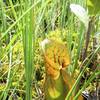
x=26, y=21
x=28, y=48
x=80, y=75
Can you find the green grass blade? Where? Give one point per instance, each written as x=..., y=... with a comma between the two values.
x=28, y=49
x=6, y=32
x=93, y=76
x=80, y=75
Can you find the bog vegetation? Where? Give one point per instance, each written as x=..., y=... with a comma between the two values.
x=24, y=24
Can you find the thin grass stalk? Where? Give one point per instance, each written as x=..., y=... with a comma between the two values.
x=81, y=39
x=11, y=26
x=64, y=15
x=1, y=7
x=3, y=17
x=80, y=75
x=70, y=28
x=6, y=51
x=92, y=77
x=53, y=14
x=3, y=26
x=13, y=9
x=5, y=93
x=50, y=14
x=17, y=83
x=40, y=18
x=4, y=22
x=14, y=13
x=41, y=15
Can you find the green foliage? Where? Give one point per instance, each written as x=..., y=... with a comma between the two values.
x=93, y=7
